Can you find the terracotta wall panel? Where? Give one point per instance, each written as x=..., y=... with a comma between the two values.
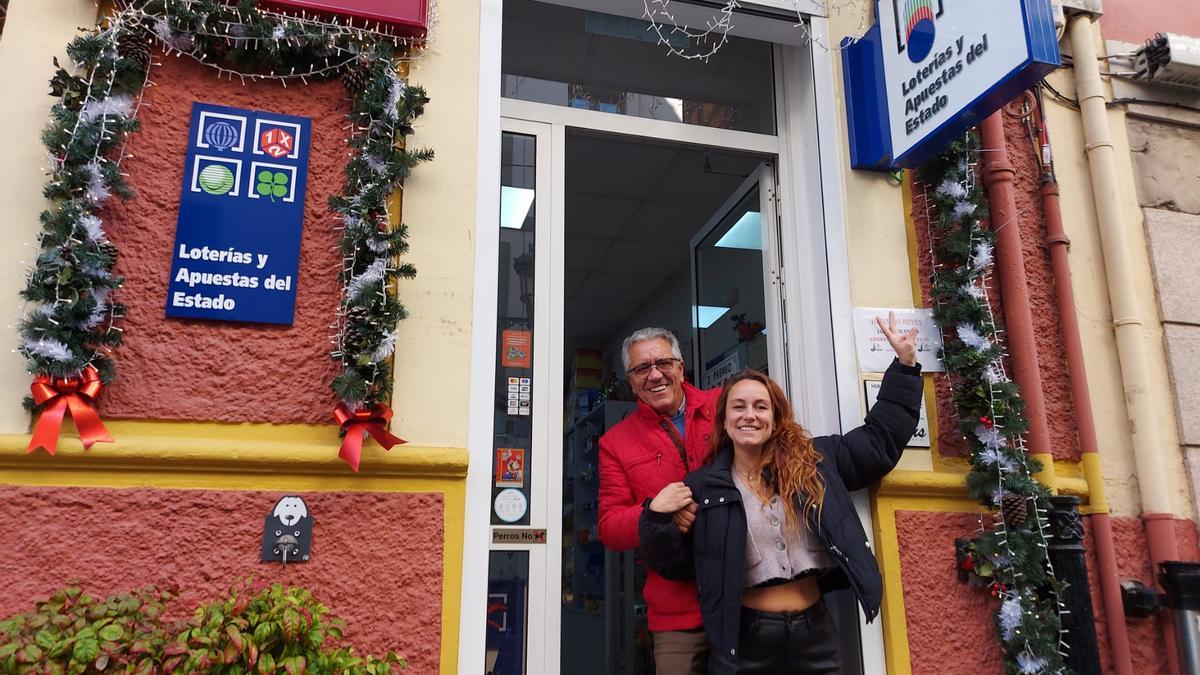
x=206, y=370
x=376, y=559
x=1047, y=326
x=950, y=629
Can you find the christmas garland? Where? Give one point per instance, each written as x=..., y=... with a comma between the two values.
x=69, y=330
x=1011, y=552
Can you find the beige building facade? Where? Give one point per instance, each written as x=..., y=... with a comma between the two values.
x=583, y=182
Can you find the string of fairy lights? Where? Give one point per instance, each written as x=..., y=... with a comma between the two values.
x=51, y=314
x=101, y=94
x=702, y=42
x=1014, y=545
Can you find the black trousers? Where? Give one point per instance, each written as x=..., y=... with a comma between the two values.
x=788, y=643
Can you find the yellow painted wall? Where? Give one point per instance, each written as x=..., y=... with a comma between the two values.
x=34, y=33
x=875, y=233
x=880, y=276
x=434, y=344
x=881, y=268
x=1095, y=317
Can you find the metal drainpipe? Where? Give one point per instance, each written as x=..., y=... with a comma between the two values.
x=998, y=173
x=1147, y=444
x=1102, y=537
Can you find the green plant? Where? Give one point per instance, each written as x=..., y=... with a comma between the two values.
x=264, y=630
x=269, y=630
x=74, y=632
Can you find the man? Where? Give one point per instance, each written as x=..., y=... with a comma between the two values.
x=648, y=454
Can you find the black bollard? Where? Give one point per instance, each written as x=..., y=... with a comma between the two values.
x=1067, y=557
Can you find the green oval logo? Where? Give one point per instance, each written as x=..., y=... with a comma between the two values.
x=216, y=179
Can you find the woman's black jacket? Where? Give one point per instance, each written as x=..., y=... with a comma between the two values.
x=713, y=553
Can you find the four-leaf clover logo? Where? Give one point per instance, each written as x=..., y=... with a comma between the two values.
x=272, y=184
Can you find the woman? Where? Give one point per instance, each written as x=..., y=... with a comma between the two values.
x=774, y=524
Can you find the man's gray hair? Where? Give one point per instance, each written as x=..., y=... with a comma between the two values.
x=651, y=333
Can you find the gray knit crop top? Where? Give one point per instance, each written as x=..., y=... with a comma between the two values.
x=775, y=551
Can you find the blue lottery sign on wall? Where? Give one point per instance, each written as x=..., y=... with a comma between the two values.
x=930, y=69
x=237, y=242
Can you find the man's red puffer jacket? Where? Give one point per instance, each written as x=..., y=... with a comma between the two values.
x=638, y=459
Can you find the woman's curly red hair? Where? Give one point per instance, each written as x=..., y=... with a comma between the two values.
x=789, y=459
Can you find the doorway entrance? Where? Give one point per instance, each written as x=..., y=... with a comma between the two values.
x=634, y=190
x=657, y=234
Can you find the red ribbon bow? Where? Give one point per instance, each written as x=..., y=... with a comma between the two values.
x=359, y=423
x=76, y=394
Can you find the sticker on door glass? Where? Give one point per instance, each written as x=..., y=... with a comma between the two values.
x=516, y=349
x=510, y=467
x=511, y=505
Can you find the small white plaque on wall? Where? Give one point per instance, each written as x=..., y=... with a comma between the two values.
x=874, y=352
x=920, y=437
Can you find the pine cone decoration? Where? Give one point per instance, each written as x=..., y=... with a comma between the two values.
x=1014, y=510
x=356, y=320
x=357, y=76
x=135, y=47
x=109, y=249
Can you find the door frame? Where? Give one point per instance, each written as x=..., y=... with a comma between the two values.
x=763, y=178
x=814, y=284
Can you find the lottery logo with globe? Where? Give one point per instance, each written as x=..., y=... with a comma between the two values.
x=221, y=135
x=916, y=27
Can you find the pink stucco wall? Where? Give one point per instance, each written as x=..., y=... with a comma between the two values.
x=1146, y=644
x=1043, y=296
x=1064, y=443
x=1138, y=20
x=950, y=628
x=206, y=370
x=376, y=557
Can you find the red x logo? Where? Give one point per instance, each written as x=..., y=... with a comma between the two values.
x=276, y=142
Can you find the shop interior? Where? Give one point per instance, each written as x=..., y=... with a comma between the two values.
x=657, y=233
x=647, y=226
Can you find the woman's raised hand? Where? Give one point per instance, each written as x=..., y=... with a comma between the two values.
x=904, y=342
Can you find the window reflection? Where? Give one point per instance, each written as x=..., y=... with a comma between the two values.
x=585, y=59
x=512, y=430
x=730, y=313
x=507, y=605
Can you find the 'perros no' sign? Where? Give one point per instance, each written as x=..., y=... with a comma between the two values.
x=928, y=69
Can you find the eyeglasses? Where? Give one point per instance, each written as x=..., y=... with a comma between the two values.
x=663, y=365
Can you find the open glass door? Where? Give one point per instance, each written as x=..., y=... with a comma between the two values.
x=737, y=308
x=739, y=314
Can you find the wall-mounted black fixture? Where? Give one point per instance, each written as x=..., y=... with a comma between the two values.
x=287, y=532
x=1139, y=600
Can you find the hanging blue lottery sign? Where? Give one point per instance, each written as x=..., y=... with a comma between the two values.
x=930, y=69
x=237, y=241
